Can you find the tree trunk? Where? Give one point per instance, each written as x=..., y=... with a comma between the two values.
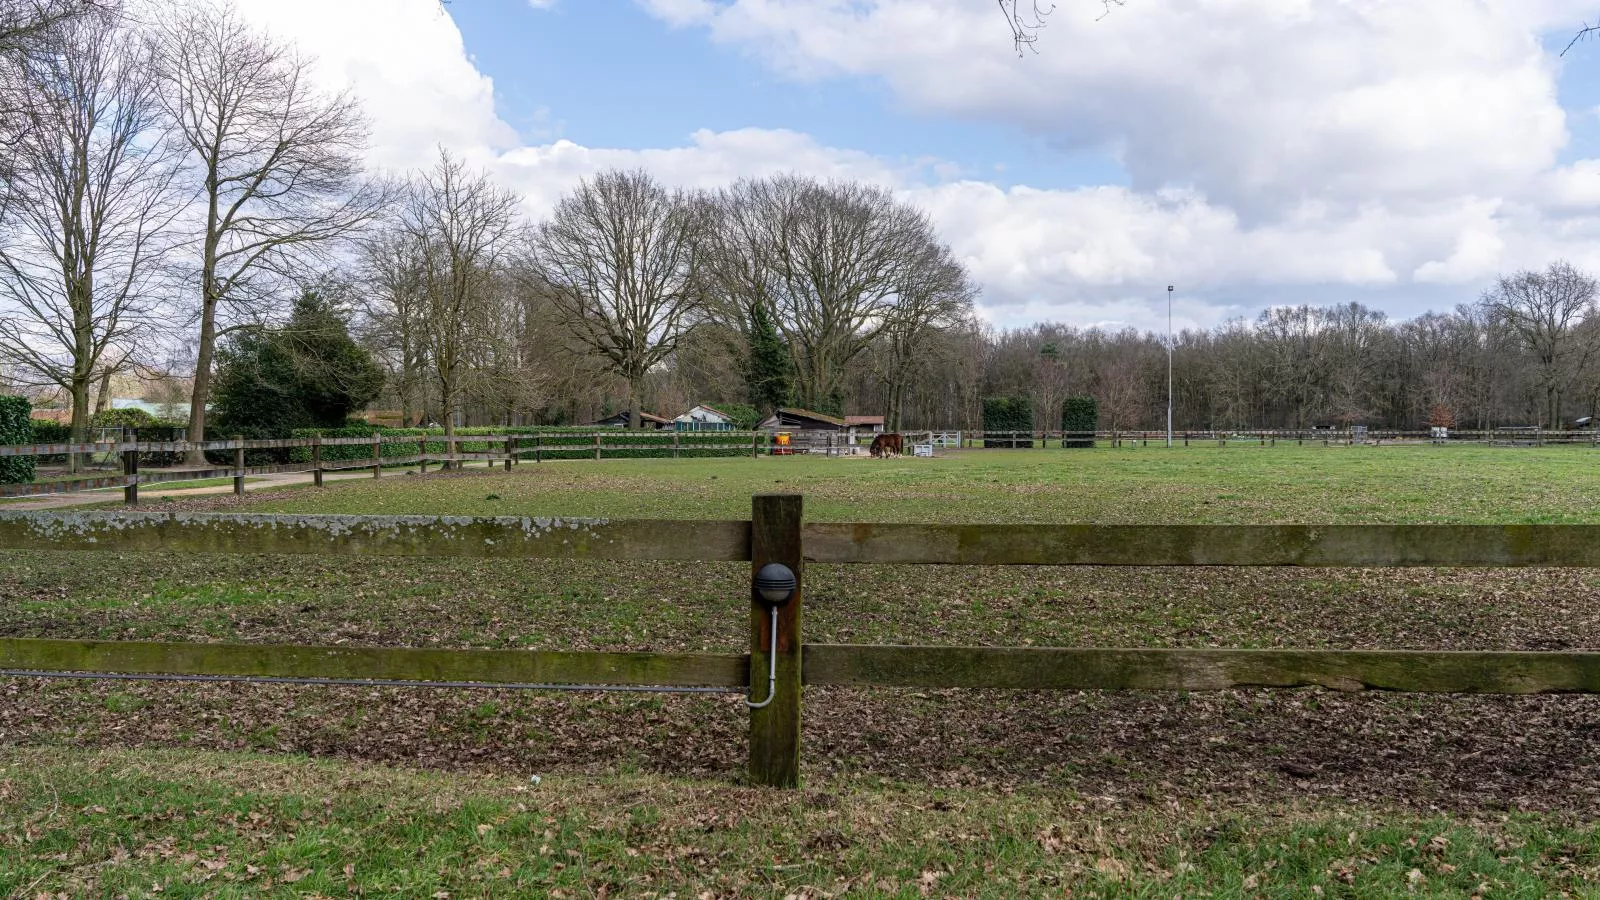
x=77, y=462
x=635, y=402
x=102, y=400
x=448, y=400
x=202, y=380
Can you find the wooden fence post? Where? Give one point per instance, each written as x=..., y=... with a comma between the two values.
x=422, y=455
x=316, y=461
x=538, y=447
x=775, y=728
x=238, y=466
x=377, y=457
x=755, y=446
x=511, y=451
x=130, y=468
x=674, y=443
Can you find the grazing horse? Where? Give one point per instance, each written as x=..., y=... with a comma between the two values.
x=885, y=444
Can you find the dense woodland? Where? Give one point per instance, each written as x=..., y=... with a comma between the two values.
x=180, y=210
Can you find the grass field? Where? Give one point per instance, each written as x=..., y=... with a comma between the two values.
x=1233, y=484
x=234, y=790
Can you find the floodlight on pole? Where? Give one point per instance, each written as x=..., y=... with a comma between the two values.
x=1169, y=365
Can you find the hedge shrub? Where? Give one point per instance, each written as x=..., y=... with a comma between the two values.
x=1008, y=414
x=1080, y=414
x=16, y=427
x=48, y=432
x=556, y=442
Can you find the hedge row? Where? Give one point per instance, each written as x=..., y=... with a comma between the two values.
x=1008, y=414
x=554, y=442
x=1080, y=414
x=16, y=427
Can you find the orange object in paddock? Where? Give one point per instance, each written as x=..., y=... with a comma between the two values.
x=781, y=445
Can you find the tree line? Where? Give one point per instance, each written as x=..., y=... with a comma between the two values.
x=177, y=193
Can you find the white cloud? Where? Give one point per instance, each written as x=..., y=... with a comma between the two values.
x=406, y=61
x=1259, y=104
x=1279, y=149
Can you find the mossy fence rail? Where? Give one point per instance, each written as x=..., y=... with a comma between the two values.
x=777, y=533
x=333, y=454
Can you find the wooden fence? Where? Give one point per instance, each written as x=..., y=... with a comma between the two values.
x=499, y=449
x=777, y=533
x=507, y=449
x=1040, y=440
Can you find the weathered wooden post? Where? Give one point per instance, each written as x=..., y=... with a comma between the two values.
x=511, y=451
x=597, y=446
x=775, y=727
x=238, y=465
x=422, y=454
x=538, y=447
x=377, y=456
x=130, y=467
x=674, y=443
x=316, y=461
x=755, y=446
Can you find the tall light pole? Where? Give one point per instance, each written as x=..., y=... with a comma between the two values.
x=1169, y=365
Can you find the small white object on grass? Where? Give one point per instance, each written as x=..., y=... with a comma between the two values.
x=534, y=779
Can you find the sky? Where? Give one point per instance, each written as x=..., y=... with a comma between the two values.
x=1251, y=153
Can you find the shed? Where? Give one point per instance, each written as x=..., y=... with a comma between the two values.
x=863, y=425
x=784, y=419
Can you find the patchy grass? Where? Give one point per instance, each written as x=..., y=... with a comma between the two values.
x=1239, y=792
x=189, y=824
x=1198, y=484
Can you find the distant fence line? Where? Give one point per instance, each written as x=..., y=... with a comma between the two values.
x=1265, y=437
x=332, y=454
x=318, y=455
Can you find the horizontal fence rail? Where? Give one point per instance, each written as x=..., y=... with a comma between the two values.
x=1206, y=545
x=324, y=535
x=1328, y=546
x=489, y=667
x=1102, y=669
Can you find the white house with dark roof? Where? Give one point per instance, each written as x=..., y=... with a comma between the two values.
x=703, y=418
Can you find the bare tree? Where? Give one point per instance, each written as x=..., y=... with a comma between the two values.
x=935, y=293
x=1542, y=309
x=397, y=315
x=26, y=25
x=830, y=260
x=463, y=231
x=276, y=164
x=620, y=257
x=91, y=186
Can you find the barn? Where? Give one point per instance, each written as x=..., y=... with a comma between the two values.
x=802, y=420
x=817, y=432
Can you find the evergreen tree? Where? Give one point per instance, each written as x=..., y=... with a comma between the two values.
x=307, y=374
x=769, y=373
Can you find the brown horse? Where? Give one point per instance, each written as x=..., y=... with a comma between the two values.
x=885, y=444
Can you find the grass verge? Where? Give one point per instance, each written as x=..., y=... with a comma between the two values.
x=177, y=824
